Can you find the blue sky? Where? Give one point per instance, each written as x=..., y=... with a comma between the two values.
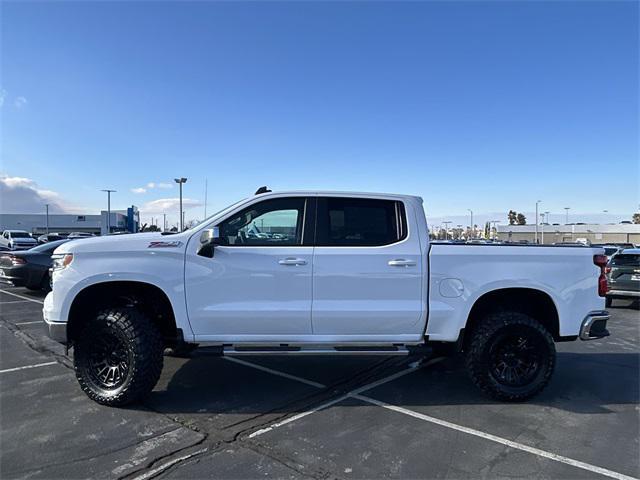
x=482, y=105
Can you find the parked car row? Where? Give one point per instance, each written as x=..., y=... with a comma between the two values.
x=29, y=268
x=22, y=240
x=25, y=261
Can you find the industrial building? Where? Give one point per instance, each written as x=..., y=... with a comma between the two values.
x=119, y=221
x=592, y=233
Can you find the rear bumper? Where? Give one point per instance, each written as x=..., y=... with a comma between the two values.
x=623, y=293
x=594, y=326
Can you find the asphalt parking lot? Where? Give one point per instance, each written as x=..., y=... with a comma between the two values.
x=310, y=417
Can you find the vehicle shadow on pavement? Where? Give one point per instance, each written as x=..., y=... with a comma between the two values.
x=583, y=383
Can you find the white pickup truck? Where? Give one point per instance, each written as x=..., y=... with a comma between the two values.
x=320, y=273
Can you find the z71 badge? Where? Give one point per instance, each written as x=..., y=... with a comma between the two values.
x=173, y=244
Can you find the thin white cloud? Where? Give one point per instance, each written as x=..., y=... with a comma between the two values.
x=151, y=186
x=20, y=102
x=168, y=205
x=3, y=95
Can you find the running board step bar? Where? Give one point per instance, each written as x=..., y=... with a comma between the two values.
x=286, y=350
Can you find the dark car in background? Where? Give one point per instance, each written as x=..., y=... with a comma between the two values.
x=28, y=268
x=80, y=235
x=51, y=237
x=623, y=274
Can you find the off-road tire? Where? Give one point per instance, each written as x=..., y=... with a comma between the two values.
x=482, y=353
x=136, y=339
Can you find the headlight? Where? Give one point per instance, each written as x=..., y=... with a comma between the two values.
x=61, y=261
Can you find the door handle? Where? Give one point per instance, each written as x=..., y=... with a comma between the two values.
x=401, y=262
x=292, y=261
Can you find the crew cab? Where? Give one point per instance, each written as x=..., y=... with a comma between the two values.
x=320, y=273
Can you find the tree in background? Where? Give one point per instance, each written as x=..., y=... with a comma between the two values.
x=521, y=219
x=487, y=230
x=512, y=216
x=149, y=228
x=636, y=218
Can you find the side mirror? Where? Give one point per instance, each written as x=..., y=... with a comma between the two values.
x=208, y=239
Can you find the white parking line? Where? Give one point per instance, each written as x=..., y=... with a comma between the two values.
x=7, y=370
x=494, y=438
x=298, y=416
x=275, y=372
x=29, y=323
x=14, y=301
x=460, y=428
x=327, y=404
x=23, y=297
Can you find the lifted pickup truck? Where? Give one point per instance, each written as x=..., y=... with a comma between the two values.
x=320, y=273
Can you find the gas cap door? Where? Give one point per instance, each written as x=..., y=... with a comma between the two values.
x=451, y=287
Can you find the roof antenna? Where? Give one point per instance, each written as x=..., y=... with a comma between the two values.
x=262, y=190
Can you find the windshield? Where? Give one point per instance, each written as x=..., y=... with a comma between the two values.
x=608, y=251
x=626, y=260
x=48, y=247
x=20, y=235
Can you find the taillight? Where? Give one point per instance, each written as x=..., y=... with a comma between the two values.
x=601, y=261
x=16, y=260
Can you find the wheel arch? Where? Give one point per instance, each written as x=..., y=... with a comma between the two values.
x=530, y=301
x=146, y=297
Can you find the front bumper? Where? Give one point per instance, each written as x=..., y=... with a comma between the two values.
x=594, y=326
x=24, y=246
x=56, y=330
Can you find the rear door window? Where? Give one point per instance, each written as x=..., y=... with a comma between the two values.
x=359, y=222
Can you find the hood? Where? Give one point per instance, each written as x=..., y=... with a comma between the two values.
x=121, y=243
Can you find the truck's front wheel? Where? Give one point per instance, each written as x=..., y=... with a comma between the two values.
x=118, y=356
x=510, y=356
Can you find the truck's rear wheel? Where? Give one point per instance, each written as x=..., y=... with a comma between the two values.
x=118, y=356
x=510, y=356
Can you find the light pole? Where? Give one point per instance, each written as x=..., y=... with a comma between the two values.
x=566, y=221
x=446, y=230
x=537, y=219
x=47, y=207
x=180, y=181
x=542, y=228
x=495, y=228
x=472, y=230
x=108, y=209
x=164, y=222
